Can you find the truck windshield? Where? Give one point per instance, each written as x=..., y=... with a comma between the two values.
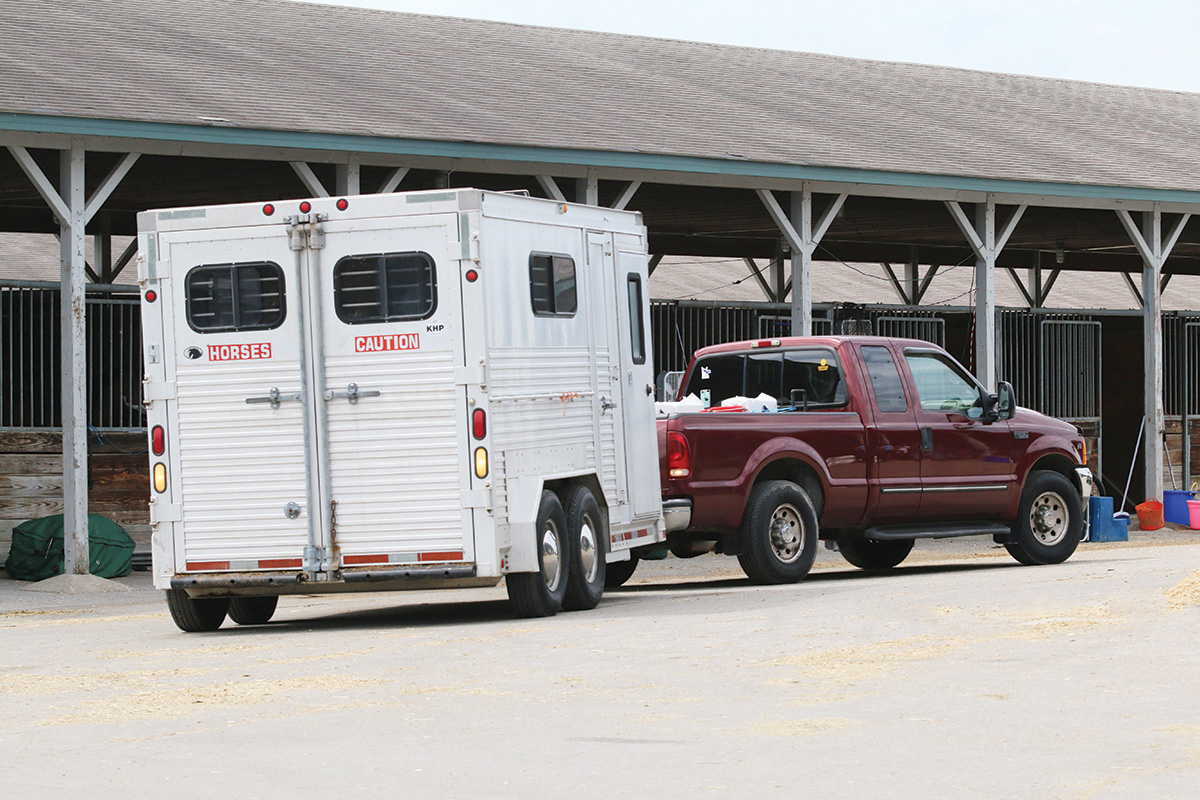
x=808, y=378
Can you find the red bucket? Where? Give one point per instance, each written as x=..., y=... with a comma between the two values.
x=1150, y=515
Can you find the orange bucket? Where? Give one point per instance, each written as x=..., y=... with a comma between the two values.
x=1150, y=515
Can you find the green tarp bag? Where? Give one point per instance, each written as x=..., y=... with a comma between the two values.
x=37, y=549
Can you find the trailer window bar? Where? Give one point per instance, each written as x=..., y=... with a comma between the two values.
x=234, y=297
x=385, y=287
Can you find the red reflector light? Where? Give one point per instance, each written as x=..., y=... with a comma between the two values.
x=158, y=440
x=472, y=276
x=268, y=209
x=478, y=423
x=305, y=207
x=343, y=204
x=765, y=343
x=679, y=459
x=151, y=296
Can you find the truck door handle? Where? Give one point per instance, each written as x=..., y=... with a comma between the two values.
x=926, y=438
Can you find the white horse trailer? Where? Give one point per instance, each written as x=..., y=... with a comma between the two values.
x=420, y=390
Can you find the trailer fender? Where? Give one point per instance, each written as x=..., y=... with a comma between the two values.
x=524, y=497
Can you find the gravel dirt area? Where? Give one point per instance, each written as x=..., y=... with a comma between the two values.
x=959, y=674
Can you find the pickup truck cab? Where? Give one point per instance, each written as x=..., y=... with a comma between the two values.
x=866, y=442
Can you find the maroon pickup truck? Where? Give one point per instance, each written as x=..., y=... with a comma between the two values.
x=868, y=443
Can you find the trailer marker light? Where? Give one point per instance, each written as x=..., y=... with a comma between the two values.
x=305, y=207
x=158, y=440
x=343, y=204
x=151, y=296
x=160, y=478
x=478, y=423
x=268, y=209
x=481, y=465
x=472, y=276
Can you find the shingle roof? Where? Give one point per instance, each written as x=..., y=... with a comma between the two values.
x=269, y=64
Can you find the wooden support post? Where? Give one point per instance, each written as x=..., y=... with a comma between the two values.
x=74, y=360
x=348, y=176
x=801, y=219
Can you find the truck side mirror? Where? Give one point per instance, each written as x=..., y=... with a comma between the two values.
x=1006, y=400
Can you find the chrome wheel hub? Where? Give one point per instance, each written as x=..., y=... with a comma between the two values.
x=587, y=550
x=551, y=560
x=1049, y=519
x=787, y=533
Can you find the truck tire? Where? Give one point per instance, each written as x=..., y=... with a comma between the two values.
x=541, y=593
x=585, y=526
x=618, y=572
x=196, y=615
x=874, y=553
x=779, y=533
x=253, y=610
x=1049, y=524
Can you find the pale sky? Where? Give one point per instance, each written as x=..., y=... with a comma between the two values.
x=1154, y=43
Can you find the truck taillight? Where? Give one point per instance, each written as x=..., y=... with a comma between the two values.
x=766, y=343
x=679, y=460
x=478, y=423
x=158, y=440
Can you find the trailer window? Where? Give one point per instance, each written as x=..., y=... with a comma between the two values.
x=636, y=323
x=384, y=287
x=234, y=297
x=552, y=285
x=885, y=380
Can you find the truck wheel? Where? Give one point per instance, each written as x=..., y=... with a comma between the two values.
x=541, y=593
x=585, y=525
x=618, y=572
x=874, y=553
x=1050, y=521
x=779, y=533
x=196, y=615
x=252, y=610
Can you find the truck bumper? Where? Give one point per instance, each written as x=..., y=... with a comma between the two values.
x=677, y=514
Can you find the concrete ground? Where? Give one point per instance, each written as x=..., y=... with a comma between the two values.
x=959, y=674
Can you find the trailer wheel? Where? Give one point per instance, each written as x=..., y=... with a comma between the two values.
x=1049, y=524
x=541, y=593
x=585, y=526
x=618, y=572
x=196, y=615
x=874, y=553
x=779, y=533
x=253, y=610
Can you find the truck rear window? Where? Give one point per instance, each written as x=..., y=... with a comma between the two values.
x=234, y=297
x=806, y=379
x=384, y=287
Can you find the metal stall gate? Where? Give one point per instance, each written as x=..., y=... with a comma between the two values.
x=1181, y=386
x=30, y=357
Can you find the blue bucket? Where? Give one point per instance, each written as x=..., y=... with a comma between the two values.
x=1175, y=507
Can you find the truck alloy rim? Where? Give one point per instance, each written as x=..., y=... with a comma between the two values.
x=1048, y=518
x=587, y=550
x=787, y=533
x=551, y=563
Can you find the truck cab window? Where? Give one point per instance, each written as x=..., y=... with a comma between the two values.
x=384, y=287
x=885, y=380
x=552, y=287
x=716, y=378
x=943, y=387
x=234, y=297
x=817, y=374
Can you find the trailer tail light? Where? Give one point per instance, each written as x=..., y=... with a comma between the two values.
x=478, y=423
x=481, y=465
x=158, y=440
x=679, y=460
x=160, y=477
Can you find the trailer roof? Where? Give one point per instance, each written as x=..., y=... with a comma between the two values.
x=268, y=65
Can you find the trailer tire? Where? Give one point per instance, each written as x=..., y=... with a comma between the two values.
x=1050, y=520
x=874, y=553
x=253, y=610
x=541, y=593
x=196, y=615
x=585, y=526
x=779, y=533
x=616, y=573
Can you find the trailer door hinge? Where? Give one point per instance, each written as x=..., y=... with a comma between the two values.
x=158, y=390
